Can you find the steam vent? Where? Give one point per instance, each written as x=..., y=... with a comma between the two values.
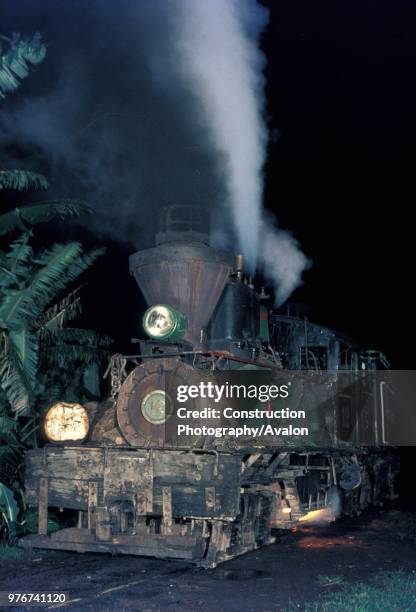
x=183, y=270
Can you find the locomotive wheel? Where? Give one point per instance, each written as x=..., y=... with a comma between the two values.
x=146, y=408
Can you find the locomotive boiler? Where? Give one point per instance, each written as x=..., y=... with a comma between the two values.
x=140, y=488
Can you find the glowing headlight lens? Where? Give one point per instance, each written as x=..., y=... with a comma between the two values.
x=66, y=422
x=163, y=322
x=158, y=321
x=156, y=407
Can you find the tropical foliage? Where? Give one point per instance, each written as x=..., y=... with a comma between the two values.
x=41, y=360
x=21, y=179
x=17, y=56
x=29, y=283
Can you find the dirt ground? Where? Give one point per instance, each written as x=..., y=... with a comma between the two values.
x=300, y=567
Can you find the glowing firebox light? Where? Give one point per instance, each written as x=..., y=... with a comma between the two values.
x=320, y=516
x=162, y=322
x=66, y=422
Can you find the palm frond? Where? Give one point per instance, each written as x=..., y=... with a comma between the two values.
x=13, y=377
x=58, y=267
x=22, y=179
x=7, y=429
x=84, y=262
x=15, y=310
x=10, y=456
x=40, y=212
x=15, y=63
x=8, y=509
x=85, y=337
x=7, y=423
x=27, y=346
x=76, y=336
x=67, y=355
x=51, y=275
x=26, y=432
x=19, y=251
x=69, y=346
x=61, y=265
x=8, y=437
x=16, y=264
x=60, y=313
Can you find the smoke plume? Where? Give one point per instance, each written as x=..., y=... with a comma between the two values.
x=220, y=57
x=144, y=104
x=280, y=258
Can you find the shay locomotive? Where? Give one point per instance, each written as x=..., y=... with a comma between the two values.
x=140, y=491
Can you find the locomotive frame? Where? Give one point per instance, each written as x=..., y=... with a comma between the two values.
x=136, y=493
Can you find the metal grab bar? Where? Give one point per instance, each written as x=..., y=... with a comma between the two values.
x=383, y=424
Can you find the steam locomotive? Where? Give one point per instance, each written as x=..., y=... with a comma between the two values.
x=139, y=488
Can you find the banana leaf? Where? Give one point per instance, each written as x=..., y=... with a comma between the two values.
x=8, y=508
x=40, y=212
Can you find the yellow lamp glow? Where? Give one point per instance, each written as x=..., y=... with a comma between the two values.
x=66, y=422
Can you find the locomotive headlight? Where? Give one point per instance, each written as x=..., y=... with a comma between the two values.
x=157, y=407
x=162, y=322
x=66, y=423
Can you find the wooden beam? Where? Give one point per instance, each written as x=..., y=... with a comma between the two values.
x=102, y=524
x=166, y=527
x=43, y=507
x=92, y=503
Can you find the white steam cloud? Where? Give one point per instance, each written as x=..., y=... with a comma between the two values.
x=218, y=46
x=152, y=104
x=281, y=259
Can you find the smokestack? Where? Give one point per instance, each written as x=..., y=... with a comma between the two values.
x=182, y=271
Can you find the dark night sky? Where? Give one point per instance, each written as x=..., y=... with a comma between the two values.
x=341, y=176
x=341, y=104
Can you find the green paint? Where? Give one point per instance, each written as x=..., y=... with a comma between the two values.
x=175, y=329
x=264, y=324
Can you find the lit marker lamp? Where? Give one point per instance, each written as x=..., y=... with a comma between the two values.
x=157, y=407
x=66, y=422
x=162, y=322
